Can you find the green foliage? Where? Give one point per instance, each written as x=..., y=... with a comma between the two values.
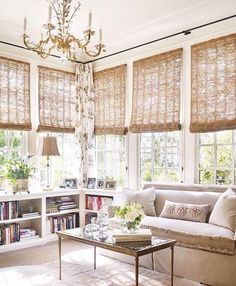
x=3, y=139
x=15, y=169
x=16, y=142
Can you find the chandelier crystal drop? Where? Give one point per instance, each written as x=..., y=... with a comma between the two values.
x=57, y=36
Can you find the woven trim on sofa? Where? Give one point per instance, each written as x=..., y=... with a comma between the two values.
x=167, y=233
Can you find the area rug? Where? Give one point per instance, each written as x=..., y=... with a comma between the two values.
x=77, y=270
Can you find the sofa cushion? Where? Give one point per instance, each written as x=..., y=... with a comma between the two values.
x=146, y=198
x=193, y=234
x=183, y=211
x=224, y=212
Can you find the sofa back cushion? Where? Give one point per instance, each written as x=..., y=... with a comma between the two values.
x=146, y=198
x=188, y=197
x=190, y=212
x=224, y=212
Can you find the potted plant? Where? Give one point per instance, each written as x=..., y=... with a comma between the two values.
x=18, y=172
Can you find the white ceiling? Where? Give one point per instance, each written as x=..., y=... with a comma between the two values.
x=125, y=23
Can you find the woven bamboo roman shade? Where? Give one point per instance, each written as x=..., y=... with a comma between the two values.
x=14, y=94
x=156, y=93
x=109, y=101
x=213, y=103
x=57, y=100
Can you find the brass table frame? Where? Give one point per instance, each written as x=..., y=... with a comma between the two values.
x=168, y=243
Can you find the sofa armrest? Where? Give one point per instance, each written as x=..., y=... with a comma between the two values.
x=111, y=210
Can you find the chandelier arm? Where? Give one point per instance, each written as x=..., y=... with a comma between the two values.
x=94, y=53
x=34, y=46
x=71, y=39
x=73, y=15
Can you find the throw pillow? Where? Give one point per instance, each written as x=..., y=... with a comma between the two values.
x=224, y=211
x=184, y=211
x=145, y=198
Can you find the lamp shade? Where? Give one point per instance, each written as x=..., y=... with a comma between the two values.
x=48, y=146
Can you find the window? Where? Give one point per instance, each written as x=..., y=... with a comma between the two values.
x=160, y=157
x=217, y=162
x=110, y=153
x=64, y=166
x=12, y=145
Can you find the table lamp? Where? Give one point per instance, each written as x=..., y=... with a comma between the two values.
x=48, y=147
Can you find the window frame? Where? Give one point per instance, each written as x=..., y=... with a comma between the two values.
x=181, y=159
x=215, y=168
x=104, y=150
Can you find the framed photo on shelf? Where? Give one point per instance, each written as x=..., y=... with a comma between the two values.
x=91, y=183
x=100, y=184
x=110, y=185
x=71, y=183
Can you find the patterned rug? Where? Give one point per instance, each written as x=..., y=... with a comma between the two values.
x=77, y=270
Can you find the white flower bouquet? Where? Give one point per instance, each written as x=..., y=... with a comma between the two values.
x=131, y=216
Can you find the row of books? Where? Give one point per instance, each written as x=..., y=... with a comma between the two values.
x=59, y=204
x=63, y=222
x=10, y=233
x=9, y=210
x=95, y=203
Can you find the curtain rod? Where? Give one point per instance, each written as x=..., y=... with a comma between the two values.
x=185, y=32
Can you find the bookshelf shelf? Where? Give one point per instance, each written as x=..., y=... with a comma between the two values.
x=38, y=200
x=19, y=219
x=76, y=210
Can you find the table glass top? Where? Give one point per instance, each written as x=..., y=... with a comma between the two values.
x=109, y=240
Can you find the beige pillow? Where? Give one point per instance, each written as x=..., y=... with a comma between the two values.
x=184, y=211
x=224, y=211
x=145, y=198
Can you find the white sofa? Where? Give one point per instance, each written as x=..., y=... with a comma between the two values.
x=204, y=252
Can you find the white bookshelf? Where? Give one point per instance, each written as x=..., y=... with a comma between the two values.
x=38, y=201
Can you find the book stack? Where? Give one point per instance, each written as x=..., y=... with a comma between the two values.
x=29, y=214
x=65, y=203
x=9, y=210
x=27, y=233
x=9, y=233
x=95, y=203
x=59, y=204
x=62, y=223
x=143, y=235
x=51, y=206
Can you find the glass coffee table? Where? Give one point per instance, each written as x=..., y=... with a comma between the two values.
x=135, y=249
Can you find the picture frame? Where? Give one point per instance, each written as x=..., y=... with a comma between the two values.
x=110, y=184
x=100, y=184
x=91, y=183
x=71, y=183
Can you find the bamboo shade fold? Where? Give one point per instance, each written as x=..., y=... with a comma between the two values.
x=14, y=95
x=156, y=93
x=109, y=101
x=213, y=99
x=57, y=100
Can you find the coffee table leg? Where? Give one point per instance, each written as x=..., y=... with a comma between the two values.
x=172, y=266
x=136, y=270
x=95, y=264
x=59, y=247
x=153, y=261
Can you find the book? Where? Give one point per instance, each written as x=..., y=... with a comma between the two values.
x=141, y=235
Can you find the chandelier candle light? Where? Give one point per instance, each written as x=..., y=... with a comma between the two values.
x=58, y=36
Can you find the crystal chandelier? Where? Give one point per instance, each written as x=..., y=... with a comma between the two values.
x=58, y=36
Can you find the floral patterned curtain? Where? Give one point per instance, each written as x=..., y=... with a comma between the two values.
x=84, y=128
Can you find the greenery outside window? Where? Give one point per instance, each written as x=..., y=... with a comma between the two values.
x=13, y=145
x=160, y=157
x=217, y=161
x=110, y=158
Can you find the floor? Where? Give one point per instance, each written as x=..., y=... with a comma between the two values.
x=39, y=254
